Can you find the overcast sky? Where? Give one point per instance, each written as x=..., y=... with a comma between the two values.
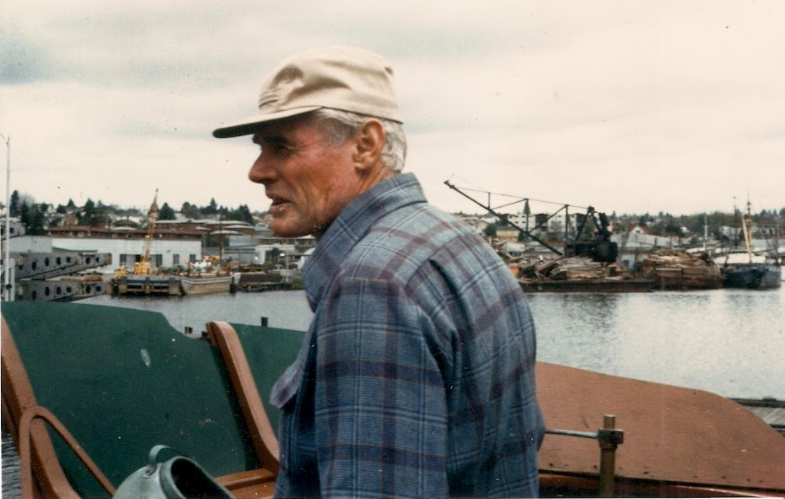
x=628, y=106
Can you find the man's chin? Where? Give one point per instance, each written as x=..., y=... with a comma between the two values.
x=280, y=228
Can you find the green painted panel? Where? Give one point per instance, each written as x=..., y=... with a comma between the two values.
x=269, y=352
x=123, y=380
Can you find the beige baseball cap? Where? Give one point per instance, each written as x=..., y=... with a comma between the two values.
x=344, y=78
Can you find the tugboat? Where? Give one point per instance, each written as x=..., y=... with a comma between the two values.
x=747, y=270
x=742, y=269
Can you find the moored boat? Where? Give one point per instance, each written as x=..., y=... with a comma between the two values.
x=740, y=269
x=206, y=284
x=744, y=268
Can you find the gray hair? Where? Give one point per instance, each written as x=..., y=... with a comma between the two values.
x=339, y=126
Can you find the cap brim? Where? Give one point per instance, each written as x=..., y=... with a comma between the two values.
x=249, y=126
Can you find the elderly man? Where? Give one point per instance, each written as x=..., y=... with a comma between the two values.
x=416, y=377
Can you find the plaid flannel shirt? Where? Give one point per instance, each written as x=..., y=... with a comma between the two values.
x=416, y=377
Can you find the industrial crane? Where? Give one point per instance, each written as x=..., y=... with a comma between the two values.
x=142, y=267
x=597, y=246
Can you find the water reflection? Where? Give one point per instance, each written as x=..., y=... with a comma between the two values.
x=731, y=342
x=12, y=484
x=576, y=329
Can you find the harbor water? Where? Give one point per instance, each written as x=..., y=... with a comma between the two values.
x=729, y=342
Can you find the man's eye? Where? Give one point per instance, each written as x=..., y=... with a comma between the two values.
x=279, y=148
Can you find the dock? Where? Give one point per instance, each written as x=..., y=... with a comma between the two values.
x=256, y=282
x=146, y=285
x=770, y=410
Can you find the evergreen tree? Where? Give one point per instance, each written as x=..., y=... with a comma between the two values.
x=25, y=215
x=245, y=212
x=15, y=204
x=166, y=213
x=92, y=215
x=190, y=211
x=242, y=214
x=87, y=212
x=36, y=227
x=211, y=209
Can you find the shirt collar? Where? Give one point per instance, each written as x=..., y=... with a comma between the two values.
x=351, y=225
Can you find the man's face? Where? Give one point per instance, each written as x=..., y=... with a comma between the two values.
x=308, y=180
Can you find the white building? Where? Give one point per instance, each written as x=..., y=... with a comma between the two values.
x=265, y=252
x=125, y=252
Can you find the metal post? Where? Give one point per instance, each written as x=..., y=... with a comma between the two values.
x=7, y=287
x=609, y=439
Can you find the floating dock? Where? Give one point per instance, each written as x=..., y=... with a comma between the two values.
x=146, y=285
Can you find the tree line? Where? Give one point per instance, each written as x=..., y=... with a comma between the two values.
x=765, y=223
x=36, y=217
x=96, y=214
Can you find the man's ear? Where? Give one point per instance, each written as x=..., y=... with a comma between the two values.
x=368, y=146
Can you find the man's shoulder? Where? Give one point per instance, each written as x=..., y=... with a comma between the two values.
x=399, y=243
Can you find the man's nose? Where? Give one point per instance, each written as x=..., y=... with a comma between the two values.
x=261, y=171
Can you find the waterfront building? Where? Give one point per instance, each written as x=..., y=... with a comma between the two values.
x=16, y=227
x=168, y=249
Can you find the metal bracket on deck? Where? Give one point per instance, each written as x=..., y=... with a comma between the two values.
x=609, y=439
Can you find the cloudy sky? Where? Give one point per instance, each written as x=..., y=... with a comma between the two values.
x=627, y=106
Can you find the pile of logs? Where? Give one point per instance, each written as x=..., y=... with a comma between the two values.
x=563, y=269
x=677, y=269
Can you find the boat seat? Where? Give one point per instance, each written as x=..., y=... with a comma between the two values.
x=121, y=381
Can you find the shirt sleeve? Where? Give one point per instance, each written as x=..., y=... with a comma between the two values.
x=380, y=417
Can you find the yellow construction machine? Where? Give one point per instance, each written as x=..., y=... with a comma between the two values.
x=142, y=267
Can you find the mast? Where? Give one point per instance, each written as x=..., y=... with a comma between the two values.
x=736, y=211
x=777, y=238
x=746, y=230
x=7, y=294
x=705, y=232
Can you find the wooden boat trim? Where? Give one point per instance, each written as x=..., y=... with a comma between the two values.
x=44, y=476
x=47, y=475
x=265, y=443
x=38, y=412
x=639, y=488
x=253, y=483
